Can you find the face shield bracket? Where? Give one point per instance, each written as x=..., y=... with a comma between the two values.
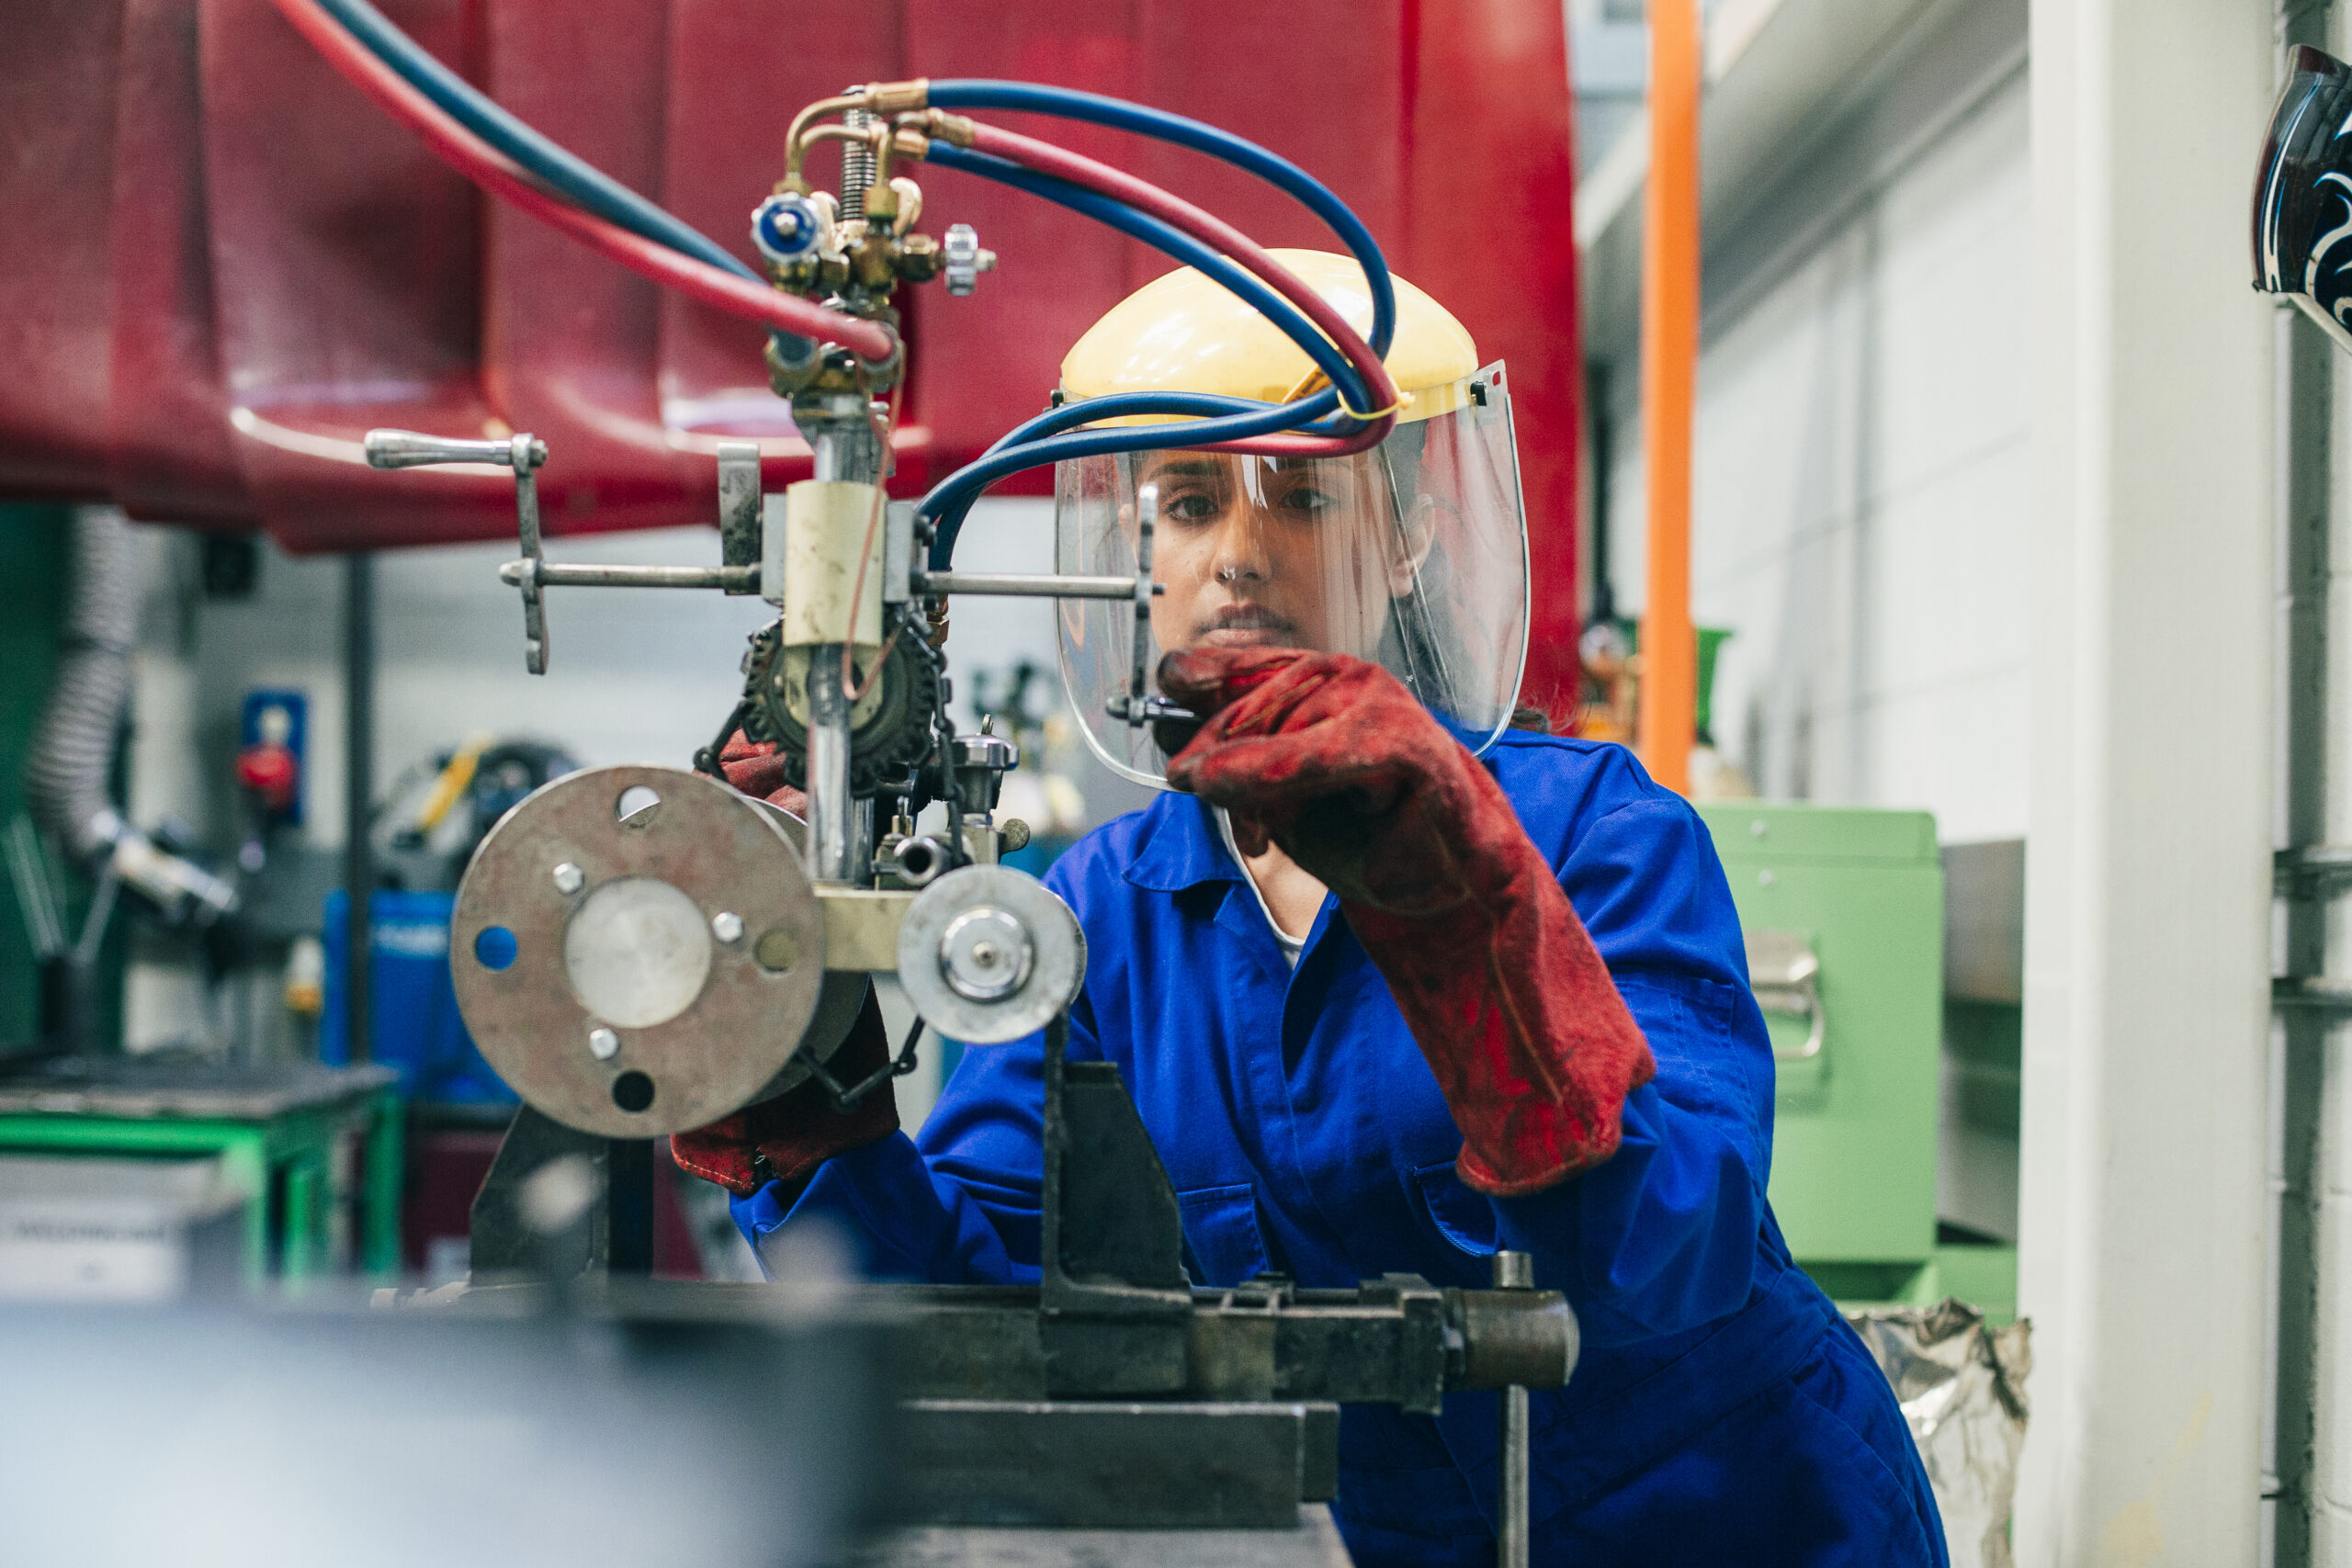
x=1139, y=705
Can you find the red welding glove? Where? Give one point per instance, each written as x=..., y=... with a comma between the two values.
x=789, y=1137
x=755, y=768
x=1335, y=761
x=786, y=1138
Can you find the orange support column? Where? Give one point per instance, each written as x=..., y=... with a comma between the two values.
x=1669, y=687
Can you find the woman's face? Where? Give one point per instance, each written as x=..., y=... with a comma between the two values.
x=1276, y=552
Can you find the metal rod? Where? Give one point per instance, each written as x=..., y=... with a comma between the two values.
x=359, y=795
x=831, y=811
x=1028, y=585
x=1514, y=1271
x=839, y=429
x=579, y=574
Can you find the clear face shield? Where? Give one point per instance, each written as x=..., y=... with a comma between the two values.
x=1412, y=555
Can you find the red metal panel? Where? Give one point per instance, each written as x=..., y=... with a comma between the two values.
x=991, y=361
x=569, y=342
x=736, y=72
x=347, y=265
x=56, y=99
x=172, y=456
x=223, y=265
x=1489, y=230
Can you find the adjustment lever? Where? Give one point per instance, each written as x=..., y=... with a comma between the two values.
x=522, y=454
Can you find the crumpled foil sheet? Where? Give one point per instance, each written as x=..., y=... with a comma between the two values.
x=1961, y=1383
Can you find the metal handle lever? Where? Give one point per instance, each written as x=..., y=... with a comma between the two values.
x=409, y=449
x=523, y=453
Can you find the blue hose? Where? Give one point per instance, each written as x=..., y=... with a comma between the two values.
x=1092, y=107
x=1165, y=237
x=586, y=186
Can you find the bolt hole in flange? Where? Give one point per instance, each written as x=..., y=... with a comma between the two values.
x=635, y=807
x=633, y=1091
x=496, y=948
x=777, y=951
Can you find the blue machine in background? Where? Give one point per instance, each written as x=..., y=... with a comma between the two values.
x=413, y=1005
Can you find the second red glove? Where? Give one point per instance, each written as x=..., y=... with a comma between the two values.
x=786, y=1138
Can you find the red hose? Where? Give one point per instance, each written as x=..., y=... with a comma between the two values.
x=1175, y=211
x=490, y=169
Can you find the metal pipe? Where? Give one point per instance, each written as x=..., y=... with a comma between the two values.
x=1514, y=1271
x=358, y=792
x=1669, y=689
x=1027, y=585
x=574, y=574
x=839, y=432
x=2305, y=875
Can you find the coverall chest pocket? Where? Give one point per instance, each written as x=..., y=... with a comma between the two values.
x=1462, y=1218
x=1221, y=1226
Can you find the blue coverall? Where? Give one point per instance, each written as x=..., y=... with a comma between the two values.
x=1723, y=1413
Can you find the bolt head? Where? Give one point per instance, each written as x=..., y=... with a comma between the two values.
x=726, y=925
x=570, y=879
x=604, y=1045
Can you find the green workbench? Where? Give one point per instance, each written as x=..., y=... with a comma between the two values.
x=289, y=1136
x=1843, y=910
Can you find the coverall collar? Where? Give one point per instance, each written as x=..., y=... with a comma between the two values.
x=1179, y=847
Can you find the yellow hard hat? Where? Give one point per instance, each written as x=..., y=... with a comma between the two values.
x=1186, y=333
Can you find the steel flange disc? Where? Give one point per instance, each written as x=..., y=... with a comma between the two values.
x=637, y=975
x=989, y=954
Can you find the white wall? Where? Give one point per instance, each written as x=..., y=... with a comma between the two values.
x=1859, y=513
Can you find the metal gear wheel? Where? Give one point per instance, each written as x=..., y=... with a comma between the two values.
x=890, y=727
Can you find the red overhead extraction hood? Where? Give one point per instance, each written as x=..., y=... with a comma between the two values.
x=221, y=265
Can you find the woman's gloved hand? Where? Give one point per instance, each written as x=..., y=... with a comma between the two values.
x=789, y=1137
x=786, y=1138
x=1335, y=761
x=755, y=768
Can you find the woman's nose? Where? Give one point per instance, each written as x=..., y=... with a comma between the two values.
x=1241, y=546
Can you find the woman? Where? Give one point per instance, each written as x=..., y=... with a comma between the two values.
x=1394, y=985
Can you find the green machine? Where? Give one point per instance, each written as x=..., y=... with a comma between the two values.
x=1843, y=911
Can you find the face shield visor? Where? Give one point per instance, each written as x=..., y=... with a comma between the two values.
x=1412, y=555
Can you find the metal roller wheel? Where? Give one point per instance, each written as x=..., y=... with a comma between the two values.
x=989, y=954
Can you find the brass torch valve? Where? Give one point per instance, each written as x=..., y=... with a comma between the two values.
x=855, y=249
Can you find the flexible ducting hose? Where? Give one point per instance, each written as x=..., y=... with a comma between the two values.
x=66, y=782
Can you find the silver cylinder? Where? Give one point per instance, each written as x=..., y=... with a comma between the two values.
x=841, y=438
x=832, y=814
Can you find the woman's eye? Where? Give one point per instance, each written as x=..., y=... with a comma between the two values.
x=1194, y=507
x=1309, y=500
